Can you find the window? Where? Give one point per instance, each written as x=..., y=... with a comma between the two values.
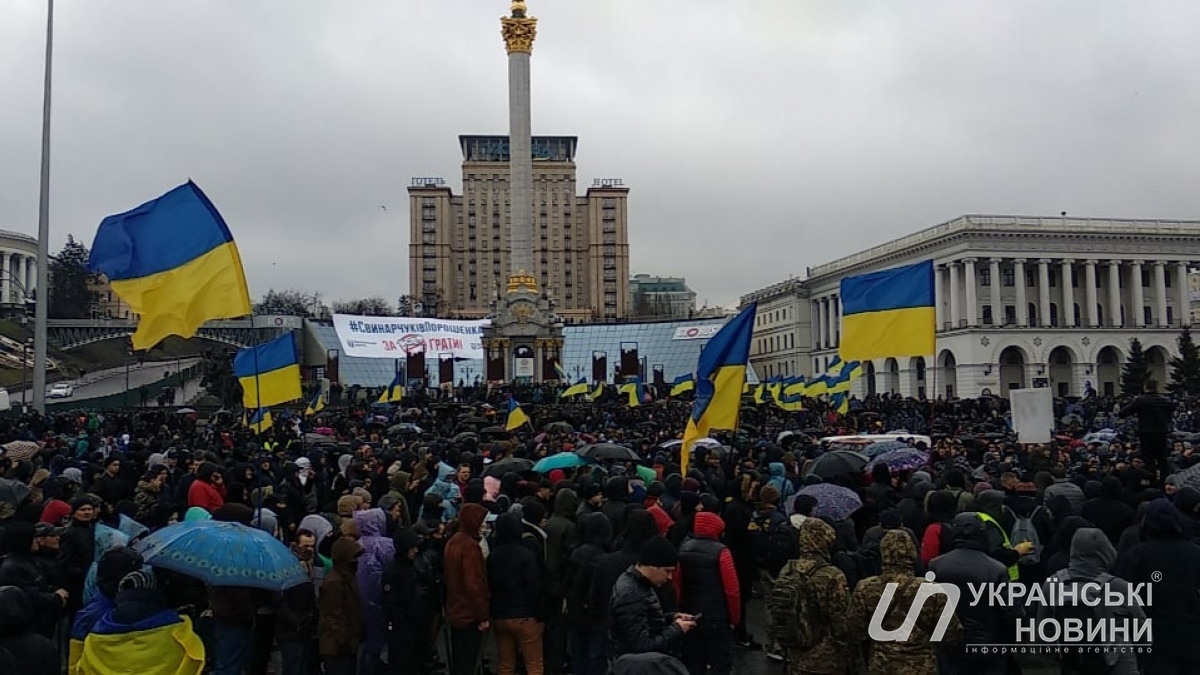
x=1033, y=315
x=1030, y=279
x=1078, y=320
x=1167, y=280
x=1147, y=316
x=1145, y=277
x=1074, y=278
x=1170, y=315
x=987, y=315
x=1053, y=278
x=1009, y=277
x=1053, y=314
x=985, y=277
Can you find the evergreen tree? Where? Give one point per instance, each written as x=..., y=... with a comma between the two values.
x=1185, y=369
x=71, y=296
x=1136, y=372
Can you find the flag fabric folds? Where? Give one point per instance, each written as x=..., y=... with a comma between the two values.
x=269, y=373
x=562, y=374
x=889, y=313
x=597, y=392
x=633, y=390
x=316, y=404
x=161, y=643
x=259, y=420
x=578, y=389
x=720, y=376
x=394, y=392
x=516, y=417
x=683, y=383
x=174, y=262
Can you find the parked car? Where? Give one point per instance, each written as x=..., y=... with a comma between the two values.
x=61, y=390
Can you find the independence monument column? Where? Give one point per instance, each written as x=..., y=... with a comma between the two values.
x=519, y=31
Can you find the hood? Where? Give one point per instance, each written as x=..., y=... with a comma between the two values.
x=661, y=520
x=777, y=470
x=345, y=556
x=990, y=502
x=941, y=506
x=595, y=529
x=969, y=532
x=672, y=485
x=1091, y=553
x=445, y=472
x=16, y=611
x=371, y=522
x=508, y=528
x=344, y=463
x=1110, y=488
x=816, y=539
x=108, y=538
x=399, y=481
x=566, y=503
x=919, y=489
x=708, y=525
x=319, y=526
x=617, y=489
x=897, y=551
x=470, y=519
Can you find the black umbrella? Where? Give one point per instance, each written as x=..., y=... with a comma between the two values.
x=507, y=466
x=837, y=463
x=475, y=420
x=466, y=435
x=494, y=431
x=608, y=451
x=559, y=428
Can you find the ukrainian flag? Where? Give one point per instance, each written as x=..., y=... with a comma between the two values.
x=269, y=373
x=817, y=386
x=848, y=373
x=840, y=402
x=759, y=392
x=791, y=396
x=633, y=390
x=720, y=376
x=316, y=405
x=161, y=643
x=260, y=420
x=682, y=384
x=597, y=392
x=394, y=392
x=562, y=374
x=888, y=313
x=174, y=262
x=577, y=389
x=516, y=417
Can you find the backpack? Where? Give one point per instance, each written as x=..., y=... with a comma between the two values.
x=774, y=541
x=1023, y=530
x=797, y=619
x=1075, y=660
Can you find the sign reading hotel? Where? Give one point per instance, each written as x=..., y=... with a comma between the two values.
x=395, y=337
x=696, y=332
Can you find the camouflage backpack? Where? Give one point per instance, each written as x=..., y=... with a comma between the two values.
x=797, y=620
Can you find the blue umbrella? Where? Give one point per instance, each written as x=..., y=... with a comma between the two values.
x=223, y=554
x=563, y=460
x=833, y=501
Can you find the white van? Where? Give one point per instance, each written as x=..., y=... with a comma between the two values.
x=868, y=439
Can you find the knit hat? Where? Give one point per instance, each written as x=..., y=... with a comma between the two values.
x=142, y=579
x=81, y=501
x=113, y=566
x=304, y=462
x=768, y=494
x=658, y=552
x=55, y=510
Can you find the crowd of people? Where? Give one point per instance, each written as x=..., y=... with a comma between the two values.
x=430, y=544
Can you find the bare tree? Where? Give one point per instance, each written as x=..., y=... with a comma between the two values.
x=290, y=302
x=373, y=306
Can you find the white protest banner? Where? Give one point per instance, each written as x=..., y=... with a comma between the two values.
x=394, y=337
x=1032, y=414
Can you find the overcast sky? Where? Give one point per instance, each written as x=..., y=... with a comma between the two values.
x=790, y=131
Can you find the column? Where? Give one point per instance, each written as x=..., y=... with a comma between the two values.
x=1139, y=298
x=31, y=273
x=816, y=324
x=1044, y=291
x=997, y=307
x=1066, y=313
x=954, y=309
x=1089, y=293
x=836, y=320
x=1183, y=303
x=939, y=296
x=825, y=323
x=1022, y=302
x=971, y=283
x=1160, y=292
x=1114, y=293
x=6, y=277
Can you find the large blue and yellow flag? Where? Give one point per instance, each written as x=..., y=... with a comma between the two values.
x=682, y=384
x=720, y=375
x=394, y=392
x=516, y=417
x=847, y=373
x=597, y=392
x=888, y=313
x=161, y=643
x=269, y=373
x=174, y=262
x=578, y=389
x=259, y=420
x=633, y=390
x=316, y=404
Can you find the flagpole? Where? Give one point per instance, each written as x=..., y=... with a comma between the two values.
x=41, y=311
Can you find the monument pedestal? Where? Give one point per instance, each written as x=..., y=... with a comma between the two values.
x=524, y=340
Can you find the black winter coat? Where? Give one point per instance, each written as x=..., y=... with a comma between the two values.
x=639, y=623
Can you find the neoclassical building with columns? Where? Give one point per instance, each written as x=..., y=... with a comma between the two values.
x=18, y=270
x=1020, y=302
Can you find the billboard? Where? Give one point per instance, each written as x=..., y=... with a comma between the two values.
x=394, y=337
x=697, y=332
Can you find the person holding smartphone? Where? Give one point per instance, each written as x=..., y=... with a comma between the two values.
x=638, y=622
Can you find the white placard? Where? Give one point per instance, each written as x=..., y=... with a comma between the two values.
x=523, y=368
x=394, y=337
x=1032, y=414
x=696, y=332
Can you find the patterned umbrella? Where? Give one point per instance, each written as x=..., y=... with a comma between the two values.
x=876, y=449
x=905, y=459
x=20, y=450
x=223, y=554
x=833, y=501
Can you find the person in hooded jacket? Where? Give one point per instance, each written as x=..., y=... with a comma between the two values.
x=1092, y=556
x=706, y=583
x=639, y=529
x=938, y=536
x=515, y=584
x=467, y=594
x=208, y=490
x=616, y=495
x=377, y=556
x=990, y=509
x=339, y=625
x=560, y=540
x=1108, y=511
x=836, y=653
x=917, y=654
x=19, y=568
x=23, y=650
x=969, y=563
x=1171, y=564
x=405, y=608
x=1058, y=551
x=111, y=569
x=77, y=549
x=584, y=619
